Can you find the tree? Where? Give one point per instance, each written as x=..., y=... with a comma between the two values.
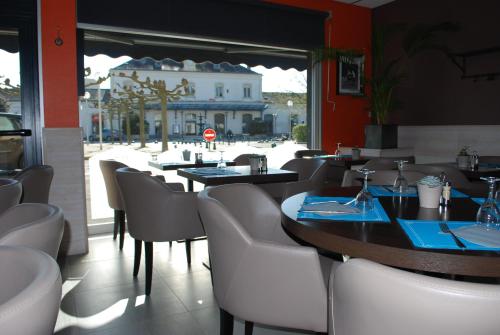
x=157, y=89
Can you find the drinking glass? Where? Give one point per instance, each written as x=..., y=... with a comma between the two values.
x=337, y=151
x=400, y=184
x=221, y=164
x=364, y=200
x=489, y=214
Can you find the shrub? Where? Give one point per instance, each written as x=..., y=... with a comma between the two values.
x=299, y=133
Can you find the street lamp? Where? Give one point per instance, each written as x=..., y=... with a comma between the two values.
x=289, y=103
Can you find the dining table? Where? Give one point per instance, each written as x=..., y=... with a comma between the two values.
x=169, y=166
x=235, y=174
x=387, y=242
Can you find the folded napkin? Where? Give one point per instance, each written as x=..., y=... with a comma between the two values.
x=428, y=235
x=480, y=235
x=329, y=207
x=213, y=171
x=337, y=209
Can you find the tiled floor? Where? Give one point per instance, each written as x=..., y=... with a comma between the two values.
x=100, y=296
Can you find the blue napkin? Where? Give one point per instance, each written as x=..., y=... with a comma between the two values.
x=480, y=201
x=377, y=214
x=385, y=191
x=213, y=171
x=428, y=235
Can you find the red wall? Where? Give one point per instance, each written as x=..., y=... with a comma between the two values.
x=349, y=27
x=59, y=63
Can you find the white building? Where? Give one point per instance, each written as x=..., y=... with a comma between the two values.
x=222, y=96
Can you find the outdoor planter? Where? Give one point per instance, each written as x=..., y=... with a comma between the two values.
x=381, y=136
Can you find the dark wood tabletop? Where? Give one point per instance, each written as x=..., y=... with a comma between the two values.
x=342, y=161
x=165, y=166
x=387, y=243
x=243, y=174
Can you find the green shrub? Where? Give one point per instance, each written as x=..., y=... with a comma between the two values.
x=299, y=133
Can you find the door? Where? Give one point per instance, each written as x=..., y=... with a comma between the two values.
x=20, y=127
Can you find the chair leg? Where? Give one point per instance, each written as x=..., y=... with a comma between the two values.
x=137, y=256
x=188, y=251
x=248, y=328
x=116, y=224
x=226, y=323
x=149, y=266
x=170, y=244
x=122, y=228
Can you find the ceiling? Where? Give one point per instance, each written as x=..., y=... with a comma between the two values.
x=366, y=3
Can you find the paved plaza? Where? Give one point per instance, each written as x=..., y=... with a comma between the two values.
x=138, y=158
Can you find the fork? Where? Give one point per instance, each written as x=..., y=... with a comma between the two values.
x=445, y=229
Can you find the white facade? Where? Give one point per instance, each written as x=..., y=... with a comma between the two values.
x=223, y=97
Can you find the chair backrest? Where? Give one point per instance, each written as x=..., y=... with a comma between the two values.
x=380, y=177
x=10, y=193
x=253, y=209
x=370, y=298
x=108, y=169
x=242, y=159
x=454, y=175
x=387, y=163
x=303, y=166
x=30, y=293
x=227, y=240
x=36, y=182
x=37, y=226
x=154, y=211
x=317, y=181
x=309, y=153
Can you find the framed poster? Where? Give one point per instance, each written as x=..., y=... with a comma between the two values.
x=350, y=76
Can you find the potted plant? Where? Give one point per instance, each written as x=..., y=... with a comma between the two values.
x=386, y=75
x=463, y=158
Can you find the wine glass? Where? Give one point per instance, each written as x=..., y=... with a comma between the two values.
x=337, y=151
x=221, y=164
x=364, y=200
x=400, y=184
x=489, y=214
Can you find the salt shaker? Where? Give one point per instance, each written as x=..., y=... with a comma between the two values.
x=446, y=195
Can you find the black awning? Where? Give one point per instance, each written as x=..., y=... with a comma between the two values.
x=139, y=46
x=243, y=21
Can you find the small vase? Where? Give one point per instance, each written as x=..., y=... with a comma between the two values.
x=429, y=196
x=463, y=162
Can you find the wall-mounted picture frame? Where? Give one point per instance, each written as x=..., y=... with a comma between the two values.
x=350, y=75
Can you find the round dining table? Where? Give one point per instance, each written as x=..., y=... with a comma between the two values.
x=387, y=243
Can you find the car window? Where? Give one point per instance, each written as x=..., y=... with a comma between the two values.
x=5, y=123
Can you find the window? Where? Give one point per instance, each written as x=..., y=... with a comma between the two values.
x=219, y=123
x=247, y=91
x=191, y=89
x=219, y=90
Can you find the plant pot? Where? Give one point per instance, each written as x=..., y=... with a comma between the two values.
x=186, y=155
x=429, y=196
x=381, y=136
x=463, y=162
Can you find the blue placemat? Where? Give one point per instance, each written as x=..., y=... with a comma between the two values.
x=377, y=214
x=386, y=191
x=480, y=201
x=428, y=235
x=209, y=171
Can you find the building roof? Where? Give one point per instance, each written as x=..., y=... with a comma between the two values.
x=172, y=65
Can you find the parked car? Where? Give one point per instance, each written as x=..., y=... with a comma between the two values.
x=106, y=135
x=11, y=147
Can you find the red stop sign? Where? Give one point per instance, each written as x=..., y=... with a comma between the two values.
x=209, y=135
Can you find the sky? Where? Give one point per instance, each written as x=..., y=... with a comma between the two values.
x=273, y=80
